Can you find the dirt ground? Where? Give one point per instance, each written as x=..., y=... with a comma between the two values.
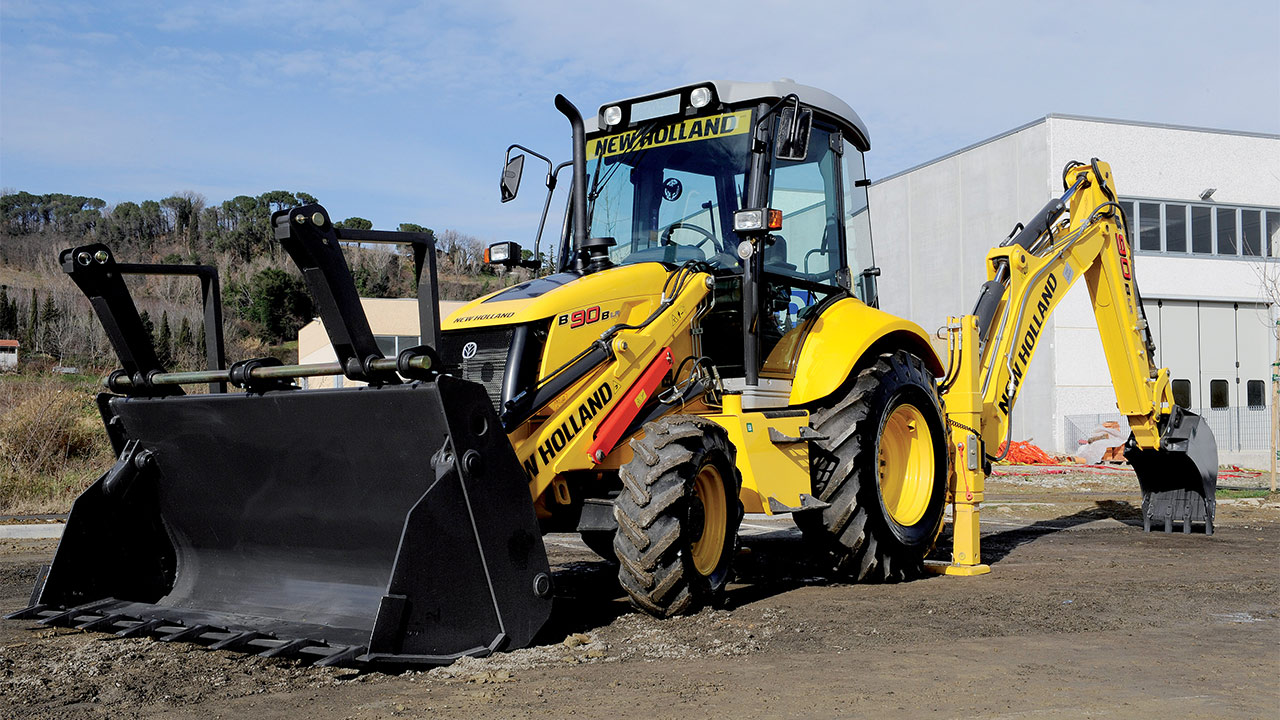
x=1084, y=615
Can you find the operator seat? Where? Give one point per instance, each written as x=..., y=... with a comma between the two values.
x=775, y=254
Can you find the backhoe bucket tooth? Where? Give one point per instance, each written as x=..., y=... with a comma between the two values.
x=392, y=519
x=1180, y=480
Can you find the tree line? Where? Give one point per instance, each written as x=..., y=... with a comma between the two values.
x=265, y=300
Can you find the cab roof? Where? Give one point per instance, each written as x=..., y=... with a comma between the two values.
x=735, y=93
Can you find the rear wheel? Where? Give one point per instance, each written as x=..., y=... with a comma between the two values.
x=883, y=469
x=678, y=516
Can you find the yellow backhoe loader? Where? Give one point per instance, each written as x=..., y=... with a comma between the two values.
x=707, y=344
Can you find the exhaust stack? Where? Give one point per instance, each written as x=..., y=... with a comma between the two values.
x=590, y=254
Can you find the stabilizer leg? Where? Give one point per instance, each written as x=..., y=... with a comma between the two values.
x=964, y=414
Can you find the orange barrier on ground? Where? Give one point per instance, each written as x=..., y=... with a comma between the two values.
x=1027, y=453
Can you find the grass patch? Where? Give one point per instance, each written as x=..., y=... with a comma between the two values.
x=1238, y=493
x=52, y=445
x=287, y=352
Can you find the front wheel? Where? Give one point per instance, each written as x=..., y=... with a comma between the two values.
x=678, y=516
x=883, y=468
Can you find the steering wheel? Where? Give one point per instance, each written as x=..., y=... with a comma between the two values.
x=665, y=238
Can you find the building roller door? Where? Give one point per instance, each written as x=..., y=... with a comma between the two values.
x=1219, y=357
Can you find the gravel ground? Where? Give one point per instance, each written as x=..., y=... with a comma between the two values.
x=1083, y=615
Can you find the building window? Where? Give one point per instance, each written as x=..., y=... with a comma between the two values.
x=1201, y=230
x=1182, y=393
x=1219, y=397
x=1272, y=239
x=1227, y=231
x=1175, y=228
x=1149, y=226
x=1251, y=233
x=1256, y=399
x=392, y=345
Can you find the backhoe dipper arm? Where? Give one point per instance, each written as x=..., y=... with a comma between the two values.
x=1082, y=234
x=1038, y=267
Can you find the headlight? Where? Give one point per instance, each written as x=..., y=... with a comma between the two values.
x=700, y=97
x=745, y=221
x=498, y=253
x=612, y=115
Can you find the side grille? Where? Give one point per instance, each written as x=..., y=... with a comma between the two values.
x=487, y=365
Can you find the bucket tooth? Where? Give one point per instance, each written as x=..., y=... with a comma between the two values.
x=106, y=622
x=67, y=617
x=342, y=656
x=238, y=641
x=27, y=613
x=288, y=647
x=191, y=633
x=144, y=627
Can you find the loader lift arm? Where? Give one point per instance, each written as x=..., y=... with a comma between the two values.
x=989, y=350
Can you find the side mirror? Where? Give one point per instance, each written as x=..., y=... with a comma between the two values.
x=792, y=142
x=511, y=178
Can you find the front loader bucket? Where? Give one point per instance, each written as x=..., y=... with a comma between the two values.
x=1180, y=480
x=364, y=525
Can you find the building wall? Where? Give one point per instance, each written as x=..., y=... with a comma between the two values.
x=1171, y=162
x=388, y=317
x=934, y=224
x=932, y=227
x=1178, y=164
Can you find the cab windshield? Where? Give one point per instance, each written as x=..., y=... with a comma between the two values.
x=667, y=190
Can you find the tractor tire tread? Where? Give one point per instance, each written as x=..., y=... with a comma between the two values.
x=857, y=545
x=658, y=480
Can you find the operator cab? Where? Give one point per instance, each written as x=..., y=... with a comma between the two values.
x=667, y=172
x=666, y=175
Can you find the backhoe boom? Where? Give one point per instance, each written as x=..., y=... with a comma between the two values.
x=990, y=350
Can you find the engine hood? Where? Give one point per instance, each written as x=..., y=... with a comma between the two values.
x=548, y=296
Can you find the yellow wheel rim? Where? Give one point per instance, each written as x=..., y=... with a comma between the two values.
x=906, y=465
x=708, y=490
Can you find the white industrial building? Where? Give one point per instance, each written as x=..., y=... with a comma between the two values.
x=394, y=322
x=1205, y=206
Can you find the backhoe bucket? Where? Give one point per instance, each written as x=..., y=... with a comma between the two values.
x=1179, y=481
x=363, y=525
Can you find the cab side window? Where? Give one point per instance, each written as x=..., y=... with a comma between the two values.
x=857, y=220
x=808, y=246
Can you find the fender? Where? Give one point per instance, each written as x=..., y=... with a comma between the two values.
x=842, y=336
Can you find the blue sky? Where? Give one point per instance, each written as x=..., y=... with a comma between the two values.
x=400, y=111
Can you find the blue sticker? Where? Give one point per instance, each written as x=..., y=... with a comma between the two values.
x=800, y=299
